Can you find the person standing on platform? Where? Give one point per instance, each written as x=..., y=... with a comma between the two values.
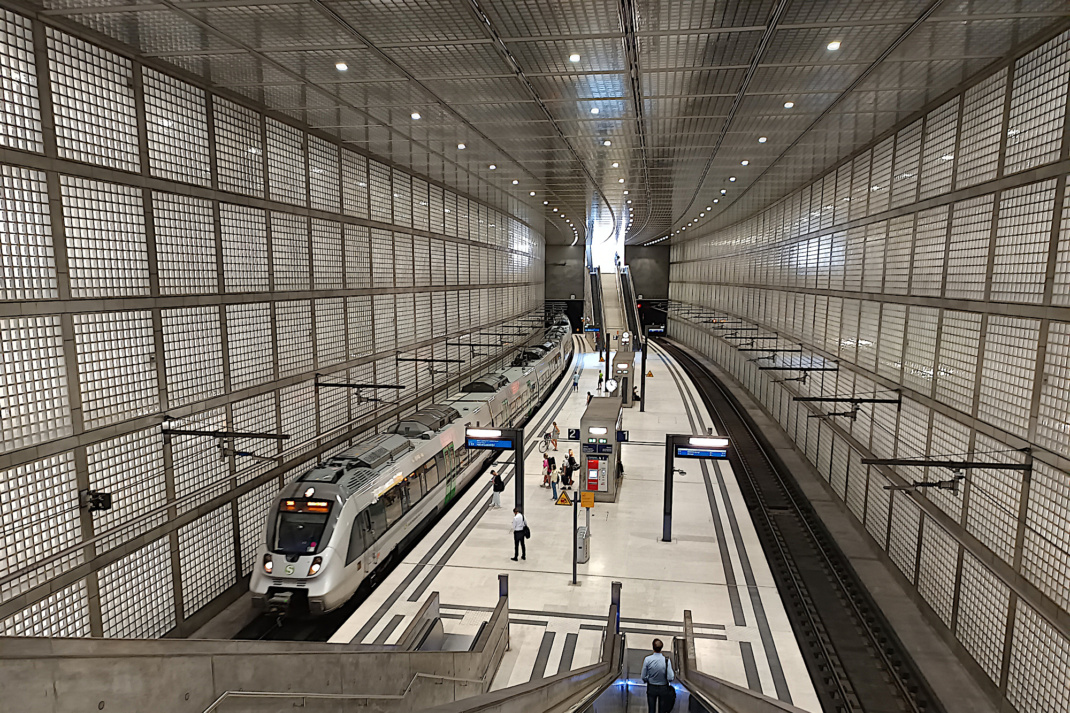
x=551, y=463
x=545, y=471
x=600, y=379
x=575, y=381
x=497, y=488
x=658, y=677
x=573, y=467
x=555, y=477
x=554, y=435
x=520, y=530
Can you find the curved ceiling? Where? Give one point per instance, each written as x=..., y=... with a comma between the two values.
x=576, y=102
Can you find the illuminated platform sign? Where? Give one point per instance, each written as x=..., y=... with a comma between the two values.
x=698, y=447
x=489, y=438
x=691, y=452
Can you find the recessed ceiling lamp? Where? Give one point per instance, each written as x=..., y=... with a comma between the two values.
x=415, y=116
x=744, y=162
x=461, y=147
x=833, y=46
x=724, y=191
x=788, y=105
x=716, y=200
x=515, y=182
x=607, y=142
x=531, y=193
x=762, y=139
x=620, y=180
x=594, y=110
x=732, y=179
x=709, y=207
x=615, y=165
x=492, y=167
x=341, y=66
x=555, y=210
x=573, y=58
x=546, y=202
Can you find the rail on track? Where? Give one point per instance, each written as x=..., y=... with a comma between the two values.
x=855, y=660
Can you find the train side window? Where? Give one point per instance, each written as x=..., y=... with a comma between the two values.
x=416, y=486
x=359, y=537
x=431, y=473
x=391, y=500
x=377, y=515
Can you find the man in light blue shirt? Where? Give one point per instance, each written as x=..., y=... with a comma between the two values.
x=657, y=675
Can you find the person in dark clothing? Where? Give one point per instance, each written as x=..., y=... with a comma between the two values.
x=589, y=397
x=497, y=488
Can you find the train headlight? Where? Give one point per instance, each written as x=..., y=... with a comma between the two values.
x=314, y=568
x=267, y=563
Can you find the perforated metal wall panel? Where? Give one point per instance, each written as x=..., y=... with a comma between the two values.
x=172, y=255
x=950, y=289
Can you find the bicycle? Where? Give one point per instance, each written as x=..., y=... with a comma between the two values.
x=544, y=444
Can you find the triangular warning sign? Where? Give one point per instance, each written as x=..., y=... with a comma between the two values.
x=601, y=359
x=563, y=499
x=650, y=374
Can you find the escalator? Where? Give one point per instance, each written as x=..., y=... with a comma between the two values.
x=631, y=310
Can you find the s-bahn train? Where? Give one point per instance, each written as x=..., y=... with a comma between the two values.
x=335, y=525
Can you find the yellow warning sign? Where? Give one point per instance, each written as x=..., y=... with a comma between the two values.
x=563, y=499
x=650, y=374
x=587, y=500
x=601, y=359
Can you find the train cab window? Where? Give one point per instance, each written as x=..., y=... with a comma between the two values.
x=300, y=532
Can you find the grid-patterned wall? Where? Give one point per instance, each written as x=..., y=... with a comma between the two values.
x=935, y=262
x=166, y=251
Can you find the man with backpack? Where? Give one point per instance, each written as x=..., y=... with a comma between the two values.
x=520, y=533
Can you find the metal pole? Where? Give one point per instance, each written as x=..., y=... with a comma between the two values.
x=666, y=527
x=642, y=387
x=575, y=534
x=518, y=469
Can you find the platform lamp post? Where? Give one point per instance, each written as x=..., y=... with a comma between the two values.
x=683, y=446
x=501, y=439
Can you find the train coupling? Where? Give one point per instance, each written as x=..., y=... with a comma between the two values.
x=279, y=603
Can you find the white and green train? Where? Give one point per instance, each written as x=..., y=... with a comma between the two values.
x=342, y=521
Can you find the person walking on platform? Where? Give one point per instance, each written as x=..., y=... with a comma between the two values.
x=576, y=381
x=497, y=488
x=589, y=397
x=554, y=435
x=658, y=677
x=520, y=533
x=600, y=381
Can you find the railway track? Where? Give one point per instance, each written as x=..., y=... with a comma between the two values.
x=854, y=658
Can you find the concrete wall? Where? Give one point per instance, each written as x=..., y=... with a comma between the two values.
x=565, y=272
x=650, y=270
x=169, y=676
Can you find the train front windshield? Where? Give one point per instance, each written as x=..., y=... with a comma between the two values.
x=300, y=525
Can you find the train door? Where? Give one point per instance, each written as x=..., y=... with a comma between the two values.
x=446, y=462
